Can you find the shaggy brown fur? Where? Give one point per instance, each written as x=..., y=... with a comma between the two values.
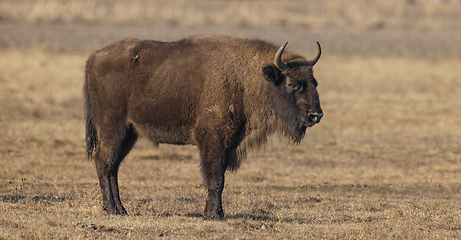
x=220, y=93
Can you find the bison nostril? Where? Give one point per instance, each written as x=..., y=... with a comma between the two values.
x=315, y=117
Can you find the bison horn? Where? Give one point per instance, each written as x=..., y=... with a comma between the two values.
x=314, y=61
x=278, y=58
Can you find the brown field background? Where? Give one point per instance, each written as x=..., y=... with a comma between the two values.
x=384, y=163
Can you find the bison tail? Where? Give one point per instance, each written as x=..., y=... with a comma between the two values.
x=90, y=127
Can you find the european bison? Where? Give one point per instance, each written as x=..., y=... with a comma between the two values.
x=220, y=93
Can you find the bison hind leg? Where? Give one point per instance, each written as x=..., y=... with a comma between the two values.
x=125, y=147
x=108, y=159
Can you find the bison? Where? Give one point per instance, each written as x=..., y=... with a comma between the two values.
x=221, y=93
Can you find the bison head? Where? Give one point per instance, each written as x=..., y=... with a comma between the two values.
x=294, y=93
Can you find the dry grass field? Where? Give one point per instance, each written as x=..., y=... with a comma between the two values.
x=384, y=163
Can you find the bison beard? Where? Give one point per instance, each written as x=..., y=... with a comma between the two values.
x=223, y=94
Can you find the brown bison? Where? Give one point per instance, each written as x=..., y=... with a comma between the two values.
x=220, y=93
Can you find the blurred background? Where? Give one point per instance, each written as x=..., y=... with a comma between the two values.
x=410, y=28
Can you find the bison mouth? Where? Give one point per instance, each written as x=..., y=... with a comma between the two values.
x=308, y=121
x=303, y=125
x=294, y=126
x=299, y=129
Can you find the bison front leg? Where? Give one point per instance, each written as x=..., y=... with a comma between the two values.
x=213, y=169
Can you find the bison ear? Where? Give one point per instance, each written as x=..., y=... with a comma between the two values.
x=273, y=74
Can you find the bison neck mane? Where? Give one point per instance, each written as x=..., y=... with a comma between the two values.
x=269, y=118
x=266, y=114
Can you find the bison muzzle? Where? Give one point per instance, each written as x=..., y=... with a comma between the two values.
x=220, y=93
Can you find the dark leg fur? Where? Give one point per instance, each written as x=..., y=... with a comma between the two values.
x=107, y=159
x=213, y=168
x=214, y=180
x=126, y=146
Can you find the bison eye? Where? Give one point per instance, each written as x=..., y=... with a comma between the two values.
x=294, y=87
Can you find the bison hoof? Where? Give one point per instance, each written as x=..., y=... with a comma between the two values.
x=121, y=212
x=214, y=216
x=115, y=211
